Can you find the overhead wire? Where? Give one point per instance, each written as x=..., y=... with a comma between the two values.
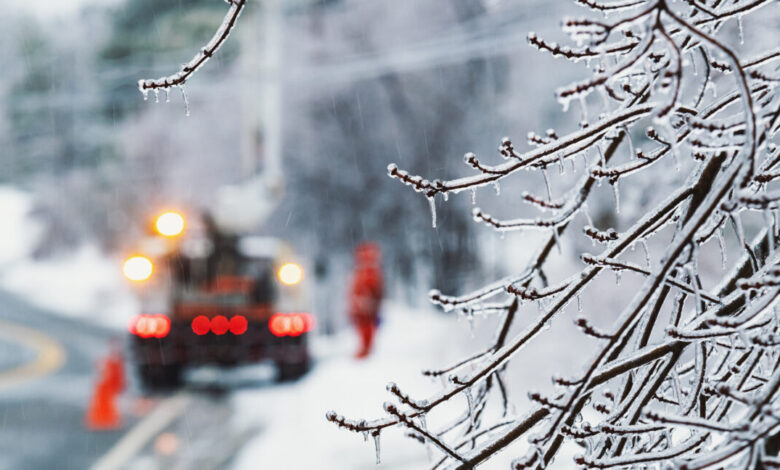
x=484, y=36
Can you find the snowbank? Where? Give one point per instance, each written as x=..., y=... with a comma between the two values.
x=84, y=283
x=19, y=233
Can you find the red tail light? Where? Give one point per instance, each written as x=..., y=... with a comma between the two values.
x=297, y=325
x=291, y=324
x=309, y=321
x=238, y=325
x=278, y=324
x=201, y=325
x=163, y=326
x=219, y=325
x=150, y=326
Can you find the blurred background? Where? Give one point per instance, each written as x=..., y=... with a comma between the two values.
x=291, y=127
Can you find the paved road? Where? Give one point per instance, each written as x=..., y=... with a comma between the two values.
x=48, y=367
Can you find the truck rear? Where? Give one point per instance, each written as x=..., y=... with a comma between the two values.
x=221, y=300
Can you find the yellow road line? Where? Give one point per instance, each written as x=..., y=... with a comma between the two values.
x=50, y=355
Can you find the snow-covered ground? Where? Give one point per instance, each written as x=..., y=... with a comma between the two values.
x=83, y=283
x=294, y=433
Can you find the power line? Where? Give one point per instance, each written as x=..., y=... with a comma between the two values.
x=422, y=56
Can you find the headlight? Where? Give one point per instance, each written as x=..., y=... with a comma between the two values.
x=170, y=224
x=138, y=268
x=290, y=274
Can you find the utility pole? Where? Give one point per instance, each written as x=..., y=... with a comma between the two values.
x=242, y=207
x=261, y=135
x=272, y=97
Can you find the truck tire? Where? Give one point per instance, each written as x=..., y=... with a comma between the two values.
x=159, y=377
x=287, y=371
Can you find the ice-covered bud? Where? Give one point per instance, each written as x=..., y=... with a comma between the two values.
x=586, y=426
x=391, y=387
x=469, y=158
x=672, y=331
x=434, y=294
x=532, y=36
x=331, y=415
x=729, y=206
x=506, y=148
x=392, y=169
x=476, y=213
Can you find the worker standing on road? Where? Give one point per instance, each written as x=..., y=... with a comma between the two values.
x=366, y=295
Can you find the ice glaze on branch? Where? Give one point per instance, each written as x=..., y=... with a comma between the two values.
x=681, y=353
x=179, y=78
x=495, y=173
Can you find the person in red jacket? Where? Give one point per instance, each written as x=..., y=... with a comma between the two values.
x=366, y=295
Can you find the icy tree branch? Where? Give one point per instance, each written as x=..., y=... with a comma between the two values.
x=179, y=78
x=670, y=108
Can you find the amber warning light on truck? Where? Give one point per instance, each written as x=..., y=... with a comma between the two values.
x=170, y=224
x=290, y=274
x=138, y=268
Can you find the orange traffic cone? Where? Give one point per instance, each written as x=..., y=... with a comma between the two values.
x=103, y=413
x=114, y=372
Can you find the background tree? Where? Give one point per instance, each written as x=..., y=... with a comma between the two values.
x=69, y=103
x=357, y=127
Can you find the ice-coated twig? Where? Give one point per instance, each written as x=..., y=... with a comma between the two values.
x=611, y=6
x=449, y=302
x=404, y=419
x=621, y=266
x=431, y=188
x=179, y=78
x=392, y=387
x=661, y=456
